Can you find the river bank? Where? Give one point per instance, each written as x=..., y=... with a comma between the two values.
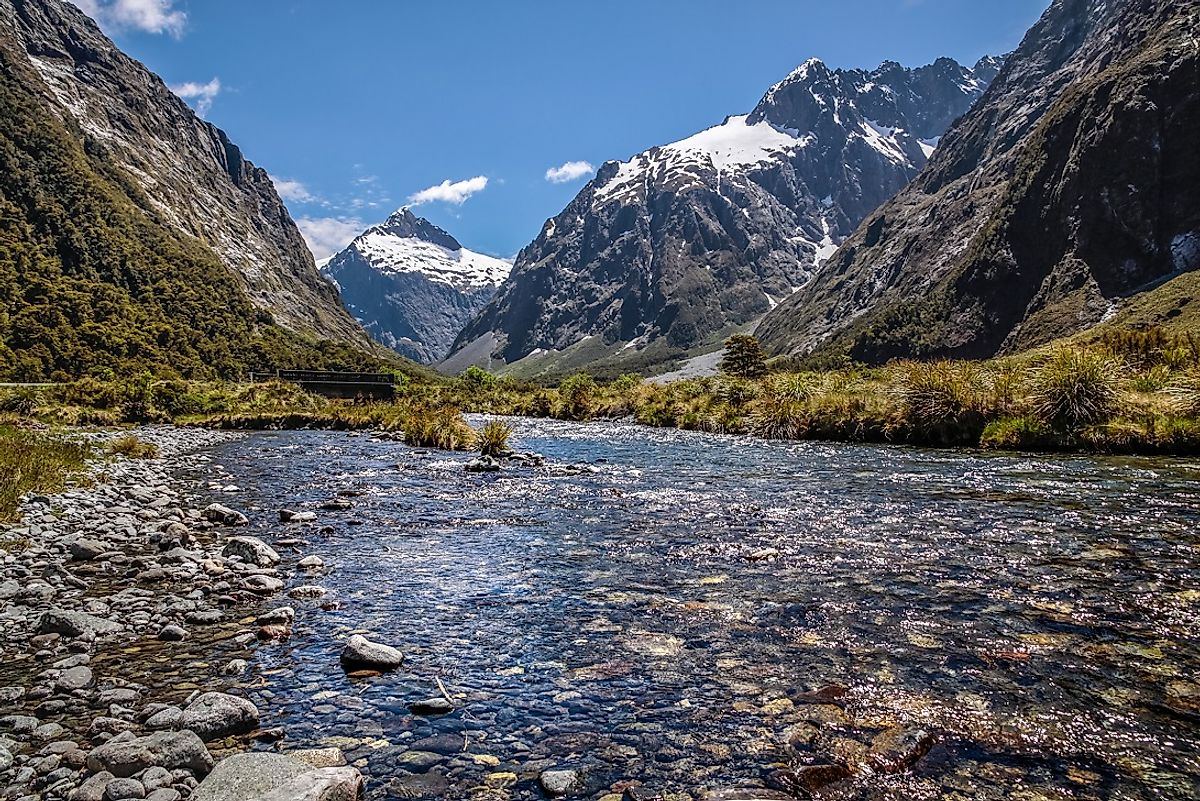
x=118, y=578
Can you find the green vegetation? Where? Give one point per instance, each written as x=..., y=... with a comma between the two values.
x=1130, y=393
x=744, y=357
x=493, y=439
x=33, y=461
x=131, y=447
x=95, y=282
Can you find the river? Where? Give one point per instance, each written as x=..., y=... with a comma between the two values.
x=658, y=607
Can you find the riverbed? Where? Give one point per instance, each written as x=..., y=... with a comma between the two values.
x=686, y=611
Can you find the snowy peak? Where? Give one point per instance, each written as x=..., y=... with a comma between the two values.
x=406, y=243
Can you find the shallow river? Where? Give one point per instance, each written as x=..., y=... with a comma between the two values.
x=653, y=606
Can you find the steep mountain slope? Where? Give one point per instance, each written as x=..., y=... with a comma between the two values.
x=191, y=176
x=1073, y=185
x=94, y=272
x=413, y=286
x=685, y=241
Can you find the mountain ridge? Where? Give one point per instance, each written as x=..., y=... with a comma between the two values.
x=689, y=240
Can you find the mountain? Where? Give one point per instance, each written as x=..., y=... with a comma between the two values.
x=687, y=241
x=1068, y=196
x=413, y=286
x=137, y=220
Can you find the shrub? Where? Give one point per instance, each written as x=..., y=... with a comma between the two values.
x=1075, y=388
x=493, y=439
x=477, y=378
x=744, y=357
x=577, y=395
x=22, y=401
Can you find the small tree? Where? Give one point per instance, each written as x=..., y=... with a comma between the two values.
x=744, y=357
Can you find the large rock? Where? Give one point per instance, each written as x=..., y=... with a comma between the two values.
x=360, y=652
x=899, y=748
x=216, y=513
x=252, y=550
x=324, y=784
x=75, y=624
x=214, y=716
x=275, y=777
x=85, y=550
x=172, y=750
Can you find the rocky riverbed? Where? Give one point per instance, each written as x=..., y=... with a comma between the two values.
x=642, y=615
x=92, y=580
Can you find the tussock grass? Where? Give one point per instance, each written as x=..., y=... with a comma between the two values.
x=32, y=461
x=1075, y=387
x=131, y=447
x=493, y=439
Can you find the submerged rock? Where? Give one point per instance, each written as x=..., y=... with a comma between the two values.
x=75, y=624
x=431, y=706
x=558, y=782
x=360, y=652
x=484, y=464
x=898, y=749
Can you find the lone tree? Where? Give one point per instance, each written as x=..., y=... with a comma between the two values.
x=744, y=357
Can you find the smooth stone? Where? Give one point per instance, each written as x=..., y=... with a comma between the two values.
x=248, y=776
x=164, y=794
x=283, y=616
x=85, y=550
x=173, y=633
x=320, y=757
x=311, y=563
x=263, y=585
x=431, y=706
x=289, y=516
x=361, y=652
x=323, y=784
x=6, y=759
x=898, y=749
x=215, y=716
x=92, y=788
x=123, y=790
x=76, y=678
x=484, y=464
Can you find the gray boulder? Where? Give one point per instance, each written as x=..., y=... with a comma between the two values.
x=324, y=784
x=173, y=750
x=216, y=513
x=85, y=550
x=360, y=652
x=214, y=716
x=247, y=776
x=558, y=782
x=252, y=550
x=75, y=624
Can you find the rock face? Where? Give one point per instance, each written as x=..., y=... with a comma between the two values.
x=413, y=286
x=184, y=172
x=682, y=242
x=1073, y=185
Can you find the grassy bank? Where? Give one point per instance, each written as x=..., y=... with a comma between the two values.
x=1129, y=392
x=34, y=461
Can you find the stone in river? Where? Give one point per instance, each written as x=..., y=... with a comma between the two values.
x=283, y=616
x=311, y=563
x=361, y=652
x=558, y=782
x=306, y=591
x=323, y=784
x=252, y=550
x=215, y=716
x=744, y=794
x=245, y=776
x=898, y=749
x=274, y=632
x=484, y=464
x=75, y=624
x=76, y=678
x=288, y=516
x=807, y=778
x=320, y=757
x=431, y=706
x=172, y=633
x=217, y=513
x=263, y=585
x=85, y=550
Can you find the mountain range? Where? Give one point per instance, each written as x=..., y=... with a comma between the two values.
x=413, y=286
x=1067, y=197
x=686, y=242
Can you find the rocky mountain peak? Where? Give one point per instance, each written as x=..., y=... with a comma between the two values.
x=406, y=225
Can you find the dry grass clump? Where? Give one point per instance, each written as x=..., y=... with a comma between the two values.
x=441, y=427
x=32, y=461
x=1074, y=388
x=131, y=447
x=493, y=439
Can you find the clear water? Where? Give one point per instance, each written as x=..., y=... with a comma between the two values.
x=620, y=611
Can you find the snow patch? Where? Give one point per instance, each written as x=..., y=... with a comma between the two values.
x=392, y=255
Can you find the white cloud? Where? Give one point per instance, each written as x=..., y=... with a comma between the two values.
x=151, y=16
x=447, y=192
x=203, y=93
x=569, y=172
x=292, y=190
x=328, y=235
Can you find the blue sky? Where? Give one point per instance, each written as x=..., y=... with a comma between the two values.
x=358, y=106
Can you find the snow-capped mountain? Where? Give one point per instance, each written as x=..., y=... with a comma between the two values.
x=684, y=242
x=412, y=285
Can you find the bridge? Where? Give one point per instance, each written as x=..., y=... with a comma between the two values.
x=336, y=384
